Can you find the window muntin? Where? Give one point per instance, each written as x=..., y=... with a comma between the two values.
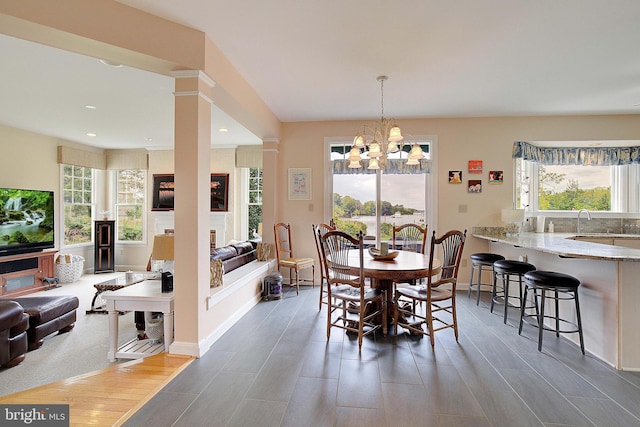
x=77, y=191
x=130, y=199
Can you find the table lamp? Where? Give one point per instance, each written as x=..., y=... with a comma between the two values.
x=514, y=218
x=163, y=251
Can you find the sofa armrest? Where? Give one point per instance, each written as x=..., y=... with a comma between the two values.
x=11, y=314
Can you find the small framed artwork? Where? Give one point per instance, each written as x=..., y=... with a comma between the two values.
x=496, y=177
x=299, y=183
x=475, y=166
x=163, y=192
x=163, y=187
x=475, y=186
x=455, y=177
x=219, y=192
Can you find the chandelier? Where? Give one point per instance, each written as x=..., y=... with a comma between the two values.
x=379, y=140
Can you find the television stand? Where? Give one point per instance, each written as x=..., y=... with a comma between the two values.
x=26, y=273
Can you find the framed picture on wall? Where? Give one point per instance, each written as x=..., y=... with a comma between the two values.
x=475, y=166
x=496, y=177
x=299, y=183
x=163, y=192
x=455, y=177
x=219, y=192
x=475, y=186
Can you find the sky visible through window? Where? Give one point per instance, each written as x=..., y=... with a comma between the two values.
x=587, y=176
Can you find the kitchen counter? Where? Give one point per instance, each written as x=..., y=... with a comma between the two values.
x=569, y=245
x=609, y=290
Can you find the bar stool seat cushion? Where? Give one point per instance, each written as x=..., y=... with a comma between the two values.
x=485, y=258
x=512, y=267
x=551, y=279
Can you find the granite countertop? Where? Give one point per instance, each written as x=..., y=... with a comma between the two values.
x=564, y=245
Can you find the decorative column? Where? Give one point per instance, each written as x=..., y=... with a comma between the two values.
x=270, y=192
x=192, y=155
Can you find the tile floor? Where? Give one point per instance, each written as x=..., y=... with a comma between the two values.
x=275, y=367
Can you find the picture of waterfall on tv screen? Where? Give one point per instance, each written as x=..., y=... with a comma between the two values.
x=26, y=220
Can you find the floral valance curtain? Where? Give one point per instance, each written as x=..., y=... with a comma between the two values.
x=577, y=156
x=392, y=166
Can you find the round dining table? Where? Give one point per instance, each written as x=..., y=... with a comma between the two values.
x=407, y=266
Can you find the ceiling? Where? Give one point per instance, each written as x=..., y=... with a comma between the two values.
x=319, y=59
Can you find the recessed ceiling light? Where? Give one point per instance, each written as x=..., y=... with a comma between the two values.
x=91, y=134
x=90, y=107
x=223, y=130
x=146, y=138
x=110, y=63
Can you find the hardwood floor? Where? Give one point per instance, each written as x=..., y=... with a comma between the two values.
x=110, y=396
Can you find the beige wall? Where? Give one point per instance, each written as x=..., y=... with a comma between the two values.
x=459, y=140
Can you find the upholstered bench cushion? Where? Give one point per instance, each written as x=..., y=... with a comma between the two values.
x=48, y=314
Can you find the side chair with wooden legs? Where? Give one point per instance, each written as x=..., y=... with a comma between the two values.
x=320, y=230
x=439, y=294
x=409, y=237
x=350, y=304
x=286, y=259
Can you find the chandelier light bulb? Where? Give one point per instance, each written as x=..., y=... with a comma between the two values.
x=373, y=164
x=353, y=164
x=374, y=150
x=395, y=135
x=393, y=147
x=415, y=153
x=354, y=154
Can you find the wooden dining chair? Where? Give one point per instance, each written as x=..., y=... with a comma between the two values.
x=410, y=237
x=320, y=230
x=286, y=259
x=350, y=304
x=439, y=293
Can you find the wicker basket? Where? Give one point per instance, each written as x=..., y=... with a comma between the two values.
x=69, y=268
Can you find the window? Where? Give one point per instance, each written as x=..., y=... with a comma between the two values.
x=255, y=200
x=570, y=187
x=130, y=186
x=78, y=204
x=374, y=201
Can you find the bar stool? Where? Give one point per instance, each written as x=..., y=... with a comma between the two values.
x=481, y=261
x=563, y=287
x=505, y=269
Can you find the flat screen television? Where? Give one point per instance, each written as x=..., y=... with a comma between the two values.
x=26, y=220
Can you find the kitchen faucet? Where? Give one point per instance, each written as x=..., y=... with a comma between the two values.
x=588, y=218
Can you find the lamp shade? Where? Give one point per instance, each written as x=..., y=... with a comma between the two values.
x=512, y=215
x=373, y=164
x=374, y=150
x=162, y=247
x=395, y=134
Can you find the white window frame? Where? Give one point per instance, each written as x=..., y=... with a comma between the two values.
x=431, y=182
x=625, y=186
x=114, y=195
x=64, y=204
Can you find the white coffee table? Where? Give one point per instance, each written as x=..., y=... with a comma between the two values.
x=144, y=296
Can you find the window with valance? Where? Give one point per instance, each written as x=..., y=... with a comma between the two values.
x=599, y=178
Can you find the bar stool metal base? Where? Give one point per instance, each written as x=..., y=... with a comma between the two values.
x=505, y=269
x=562, y=287
x=481, y=262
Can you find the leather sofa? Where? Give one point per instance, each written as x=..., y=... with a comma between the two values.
x=235, y=255
x=14, y=323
